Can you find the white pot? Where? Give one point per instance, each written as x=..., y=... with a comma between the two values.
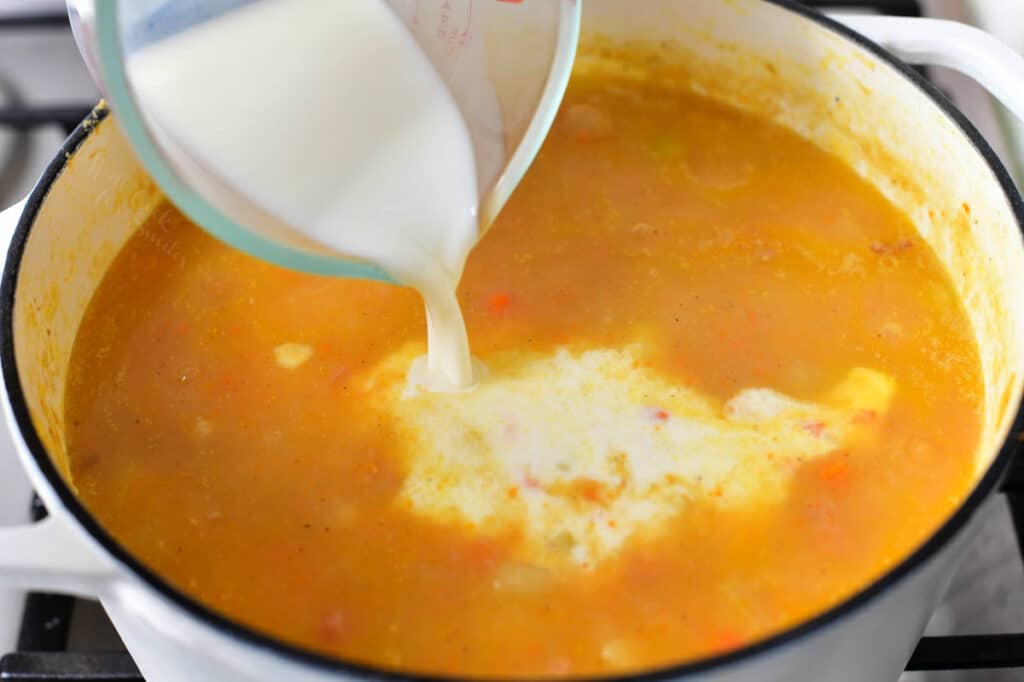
x=794, y=66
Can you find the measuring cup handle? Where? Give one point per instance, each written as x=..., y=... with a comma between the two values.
x=964, y=48
x=551, y=97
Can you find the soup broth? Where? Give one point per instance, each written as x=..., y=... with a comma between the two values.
x=726, y=386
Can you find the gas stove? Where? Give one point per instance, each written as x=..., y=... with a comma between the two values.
x=976, y=635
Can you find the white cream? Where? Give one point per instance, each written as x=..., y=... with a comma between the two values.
x=577, y=453
x=328, y=116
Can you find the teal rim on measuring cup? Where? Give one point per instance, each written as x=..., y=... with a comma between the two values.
x=110, y=52
x=114, y=39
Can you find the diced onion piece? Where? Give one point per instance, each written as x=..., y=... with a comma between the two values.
x=292, y=355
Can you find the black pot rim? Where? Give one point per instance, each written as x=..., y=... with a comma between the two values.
x=250, y=636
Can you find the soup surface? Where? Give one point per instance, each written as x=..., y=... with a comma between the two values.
x=727, y=385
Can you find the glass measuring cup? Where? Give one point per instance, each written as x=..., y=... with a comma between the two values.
x=506, y=63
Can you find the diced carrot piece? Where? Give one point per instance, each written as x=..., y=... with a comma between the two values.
x=482, y=554
x=835, y=471
x=498, y=303
x=559, y=667
x=816, y=429
x=339, y=375
x=727, y=640
x=864, y=417
x=590, y=491
x=333, y=625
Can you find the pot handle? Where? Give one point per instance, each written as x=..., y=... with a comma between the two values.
x=48, y=555
x=958, y=46
x=8, y=221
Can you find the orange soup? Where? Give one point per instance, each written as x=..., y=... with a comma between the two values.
x=726, y=386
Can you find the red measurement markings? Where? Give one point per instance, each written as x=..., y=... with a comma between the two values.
x=447, y=29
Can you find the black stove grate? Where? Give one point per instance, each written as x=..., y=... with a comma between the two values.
x=45, y=652
x=19, y=116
